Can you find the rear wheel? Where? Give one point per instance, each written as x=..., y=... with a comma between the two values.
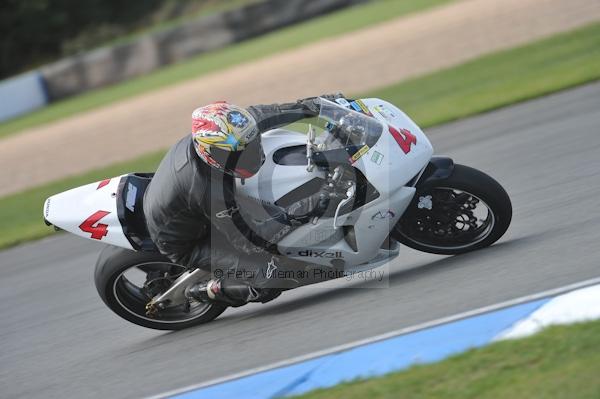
x=127, y=280
x=463, y=212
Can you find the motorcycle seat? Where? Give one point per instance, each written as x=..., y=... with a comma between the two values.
x=130, y=209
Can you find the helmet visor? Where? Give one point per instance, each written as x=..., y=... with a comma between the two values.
x=243, y=164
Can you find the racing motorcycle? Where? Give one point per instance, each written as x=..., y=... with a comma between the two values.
x=385, y=186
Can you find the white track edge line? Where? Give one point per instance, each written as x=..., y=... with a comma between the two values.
x=381, y=337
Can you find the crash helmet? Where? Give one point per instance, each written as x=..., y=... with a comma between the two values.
x=226, y=137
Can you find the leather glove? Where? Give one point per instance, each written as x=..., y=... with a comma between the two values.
x=311, y=104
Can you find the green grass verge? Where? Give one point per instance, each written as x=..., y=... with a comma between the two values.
x=344, y=21
x=487, y=83
x=560, y=362
x=500, y=79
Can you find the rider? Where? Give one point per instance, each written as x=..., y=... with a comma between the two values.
x=195, y=218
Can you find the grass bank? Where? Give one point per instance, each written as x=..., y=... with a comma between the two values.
x=499, y=79
x=338, y=23
x=560, y=362
x=510, y=76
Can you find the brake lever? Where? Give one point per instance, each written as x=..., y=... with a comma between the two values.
x=349, y=195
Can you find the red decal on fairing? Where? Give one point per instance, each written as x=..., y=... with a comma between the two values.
x=99, y=230
x=102, y=183
x=404, y=138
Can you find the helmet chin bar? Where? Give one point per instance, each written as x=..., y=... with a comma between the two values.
x=245, y=163
x=242, y=173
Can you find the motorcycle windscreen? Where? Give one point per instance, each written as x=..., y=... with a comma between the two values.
x=351, y=127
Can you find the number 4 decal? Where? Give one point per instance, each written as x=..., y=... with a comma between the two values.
x=99, y=230
x=404, y=138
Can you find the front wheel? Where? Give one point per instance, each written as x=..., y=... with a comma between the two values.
x=127, y=280
x=466, y=211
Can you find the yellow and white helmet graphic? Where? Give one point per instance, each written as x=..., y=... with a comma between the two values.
x=222, y=128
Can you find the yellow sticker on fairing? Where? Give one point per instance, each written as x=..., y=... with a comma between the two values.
x=363, y=107
x=359, y=153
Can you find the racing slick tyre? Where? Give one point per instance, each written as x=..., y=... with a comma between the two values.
x=466, y=211
x=127, y=280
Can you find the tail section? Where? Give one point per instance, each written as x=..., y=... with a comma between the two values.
x=89, y=211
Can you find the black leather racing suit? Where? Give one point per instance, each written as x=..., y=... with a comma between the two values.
x=194, y=216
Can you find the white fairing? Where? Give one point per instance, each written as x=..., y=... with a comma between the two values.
x=89, y=211
x=386, y=166
x=274, y=181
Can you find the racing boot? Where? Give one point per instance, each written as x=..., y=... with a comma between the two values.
x=232, y=292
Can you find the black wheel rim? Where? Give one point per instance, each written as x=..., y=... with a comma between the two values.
x=447, y=218
x=135, y=287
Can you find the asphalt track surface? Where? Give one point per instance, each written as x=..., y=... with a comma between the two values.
x=58, y=340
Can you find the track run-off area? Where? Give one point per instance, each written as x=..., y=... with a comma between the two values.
x=59, y=340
